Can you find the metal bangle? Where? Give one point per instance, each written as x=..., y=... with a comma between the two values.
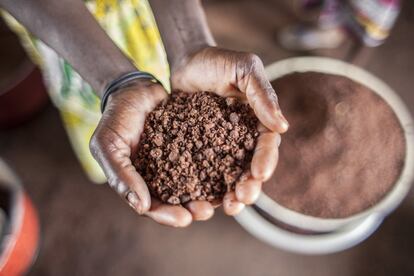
x=116, y=84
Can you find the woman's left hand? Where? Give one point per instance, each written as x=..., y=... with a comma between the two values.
x=230, y=73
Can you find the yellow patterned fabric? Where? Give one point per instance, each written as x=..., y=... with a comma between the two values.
x=131, y=25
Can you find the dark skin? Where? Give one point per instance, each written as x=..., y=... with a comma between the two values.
x=70, y=29
x=196, y=65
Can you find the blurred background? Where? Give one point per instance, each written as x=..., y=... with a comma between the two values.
x=87, y=230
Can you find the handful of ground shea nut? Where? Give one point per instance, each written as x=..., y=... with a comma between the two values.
x=196, y=146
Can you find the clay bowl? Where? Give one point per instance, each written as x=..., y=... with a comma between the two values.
x=22, y=93
x=22, y=96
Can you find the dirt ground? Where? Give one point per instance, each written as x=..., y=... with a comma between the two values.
x=87, y=230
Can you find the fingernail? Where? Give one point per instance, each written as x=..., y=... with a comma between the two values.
x=134, y=201
x=279, y=140
x=284, y=125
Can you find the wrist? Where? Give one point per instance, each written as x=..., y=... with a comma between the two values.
x=110, y=74
x=184, y=30
x=179, y=60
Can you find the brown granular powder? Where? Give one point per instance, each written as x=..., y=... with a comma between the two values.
x=344, y=150
x=195, y=146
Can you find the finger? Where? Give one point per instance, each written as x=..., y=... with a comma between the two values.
x=230, y=204
x=171, y=215
x=200, y=210
x=265, y=155
x=261, y=95
x=248, y=190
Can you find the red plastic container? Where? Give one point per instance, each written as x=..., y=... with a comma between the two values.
x=20, y=233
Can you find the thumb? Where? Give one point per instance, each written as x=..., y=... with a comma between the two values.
x=114, y=158
x=260, y=94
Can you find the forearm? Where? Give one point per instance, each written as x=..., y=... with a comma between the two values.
x=68, y=27
x=183, y=27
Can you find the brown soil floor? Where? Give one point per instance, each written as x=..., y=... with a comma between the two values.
x=87, y=230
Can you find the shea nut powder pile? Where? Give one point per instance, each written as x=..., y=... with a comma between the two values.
x=195, y=146
x=344, y=151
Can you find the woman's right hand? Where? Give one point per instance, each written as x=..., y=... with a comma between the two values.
x=116, y=140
